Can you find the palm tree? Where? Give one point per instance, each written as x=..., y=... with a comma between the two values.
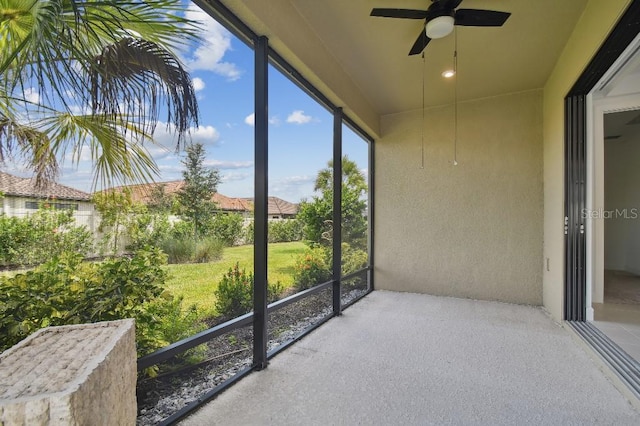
x=92, y=76
x=317, y=213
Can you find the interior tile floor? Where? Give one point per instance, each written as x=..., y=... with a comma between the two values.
x=413, y=359
x=619, y=316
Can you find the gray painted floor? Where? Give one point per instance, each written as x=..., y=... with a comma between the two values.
x=409, y=359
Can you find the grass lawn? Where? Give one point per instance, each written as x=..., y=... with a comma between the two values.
x=197, y=282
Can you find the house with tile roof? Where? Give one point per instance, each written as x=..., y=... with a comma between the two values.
x=277, y=207
x=21, y=197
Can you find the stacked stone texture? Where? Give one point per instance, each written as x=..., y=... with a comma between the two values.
x=72, y=375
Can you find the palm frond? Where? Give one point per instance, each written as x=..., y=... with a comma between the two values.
x=29, y=143
x=113, y=57
x=53, y=46
x=135, y=72
x=118, y=157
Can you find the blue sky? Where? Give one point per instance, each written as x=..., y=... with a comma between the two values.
x=300, y=130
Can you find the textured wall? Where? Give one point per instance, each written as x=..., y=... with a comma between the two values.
x=622, y=204
x=594, y=25
x=472, y=230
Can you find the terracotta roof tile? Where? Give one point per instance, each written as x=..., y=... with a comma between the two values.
x=232, y=204
x=277, y=206
x=26, y=187
x=142, y=192
x=280, y=206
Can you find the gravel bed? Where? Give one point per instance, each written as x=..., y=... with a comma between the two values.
x=160, y=397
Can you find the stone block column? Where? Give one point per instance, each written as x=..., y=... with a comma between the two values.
x=71, y=375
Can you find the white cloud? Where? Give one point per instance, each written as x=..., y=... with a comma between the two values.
x=225, y=165
x=198, y=84
x=171, y=168
x=274, y=120
x=216, y=41
x=235, y=177
x=293, y=188
x=83, y=155
x=158, y=152
x=80, y=110
x=251, y=120
x=205, y=135
x=165, y=135
x=31, y=95
x=299, y=117
x=297, y=180
x=16, y=167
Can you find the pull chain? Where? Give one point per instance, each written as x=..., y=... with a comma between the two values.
x=422, y=141
x=455, y=100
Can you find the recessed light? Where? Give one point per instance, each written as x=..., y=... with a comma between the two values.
x=448, y=73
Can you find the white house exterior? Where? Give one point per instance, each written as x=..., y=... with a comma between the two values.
x=21, y=197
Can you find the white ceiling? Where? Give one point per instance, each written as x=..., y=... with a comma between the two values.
x=622, y=81
x=622, y=126
x=373, y=51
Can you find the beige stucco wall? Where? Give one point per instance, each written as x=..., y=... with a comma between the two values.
x=594, y=25
x=472, y=230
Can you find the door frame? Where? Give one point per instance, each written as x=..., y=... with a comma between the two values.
x=595, y=236
x=577, y=118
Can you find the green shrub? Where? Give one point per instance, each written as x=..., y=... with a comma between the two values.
x=275, y=291
x=353, y=259
x=186, y=250
x=226, y=228
x=286, y=230
x=247, y=233
x=13, y=234
x=181, y=229
x=234, y=294
x=311, y=269
x=37, y=237
x=207, y=250
x=147, y=229
x=179, y=250
x=279, y=231
x=66, y=290
x=163, y=322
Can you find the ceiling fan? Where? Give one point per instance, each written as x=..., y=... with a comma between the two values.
x=440, y=18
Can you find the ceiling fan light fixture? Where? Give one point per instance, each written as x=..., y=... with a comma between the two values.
x=440, y=27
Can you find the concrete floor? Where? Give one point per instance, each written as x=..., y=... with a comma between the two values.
x=619, y=316
x=621, y=323
x=409, y=359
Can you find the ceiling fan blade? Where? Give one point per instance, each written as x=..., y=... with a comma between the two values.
x=400, y=13
x=451, y=4
x=480, y=18
x=420, y=44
